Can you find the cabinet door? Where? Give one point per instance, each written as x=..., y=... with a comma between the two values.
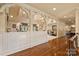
x=12, y=41
x=18, y=41
x=24, y=40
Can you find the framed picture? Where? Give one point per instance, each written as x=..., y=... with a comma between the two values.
x=24, y=27
x=13, y=25
x=52, y=31
x=35, y=27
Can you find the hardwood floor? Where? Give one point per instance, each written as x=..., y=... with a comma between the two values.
x=39, y=50
x=57, y=47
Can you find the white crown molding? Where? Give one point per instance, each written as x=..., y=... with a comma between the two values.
x=26, y=6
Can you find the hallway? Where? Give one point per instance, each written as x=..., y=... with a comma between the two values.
x=39, y=29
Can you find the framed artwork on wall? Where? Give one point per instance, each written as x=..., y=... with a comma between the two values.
x=13, y=25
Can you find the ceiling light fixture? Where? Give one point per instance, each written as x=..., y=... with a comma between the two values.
x=11, y=16
x=72, y=25
x=65, y=16
x=54, y=21
x=23, y=12
x=54, y=9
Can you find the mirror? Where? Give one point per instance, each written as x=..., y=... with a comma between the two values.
x=17, y=19
x=24, y=27
x=52, y=27
x=39, y=23
x=35, y=27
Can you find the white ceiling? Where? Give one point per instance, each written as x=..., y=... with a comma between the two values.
x=61, y=8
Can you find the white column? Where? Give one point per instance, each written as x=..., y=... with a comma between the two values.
x=2, y=22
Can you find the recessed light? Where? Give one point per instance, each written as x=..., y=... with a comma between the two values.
x=72, y=25
x=54, y=21
x=23, y=12
x=38, y=25
x=11, y=16
x=54, y=9
x=65, y=16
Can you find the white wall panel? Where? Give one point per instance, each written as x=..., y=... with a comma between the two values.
x=38, y=37
x=12, y=42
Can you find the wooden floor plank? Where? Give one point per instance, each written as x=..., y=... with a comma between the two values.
x=45, y=50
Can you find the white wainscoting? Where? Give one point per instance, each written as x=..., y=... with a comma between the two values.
x=38, y=38
x=11, y=42
x=1, y=44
